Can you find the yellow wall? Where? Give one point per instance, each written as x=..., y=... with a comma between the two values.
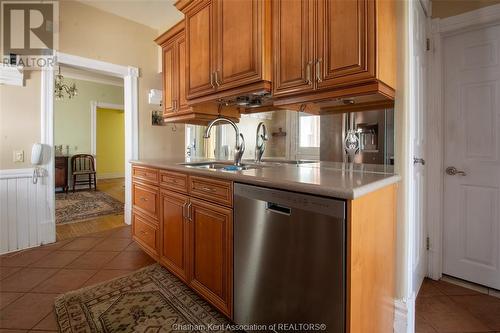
x=110, y=143
x=446, y=8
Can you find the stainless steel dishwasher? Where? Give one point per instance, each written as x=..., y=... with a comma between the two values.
x=289, y=258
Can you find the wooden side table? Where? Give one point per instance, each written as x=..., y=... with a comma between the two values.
x=61, y=177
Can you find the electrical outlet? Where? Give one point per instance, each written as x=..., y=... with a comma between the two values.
x=18, y=156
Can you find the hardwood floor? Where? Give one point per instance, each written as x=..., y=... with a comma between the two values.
x=113, y=187
x=446, y=307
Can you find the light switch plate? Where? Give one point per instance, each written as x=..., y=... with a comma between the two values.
x=18, y=155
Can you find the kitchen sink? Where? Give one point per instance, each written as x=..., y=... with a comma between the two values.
x=221, y=166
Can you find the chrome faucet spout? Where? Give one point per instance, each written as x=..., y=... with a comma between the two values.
x=239, y=147
x=260, y=145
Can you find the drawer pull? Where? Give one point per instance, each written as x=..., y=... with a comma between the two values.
x=143, y=199
x=144, y=233
x=208, y=189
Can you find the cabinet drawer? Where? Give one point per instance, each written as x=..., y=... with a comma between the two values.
x=143, y=173
x=145, y=199
x=145, y=233
x=174, y=181
x=219, y=191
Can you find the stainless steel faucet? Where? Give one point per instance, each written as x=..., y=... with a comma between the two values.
x=239, y=147
x=260, y=142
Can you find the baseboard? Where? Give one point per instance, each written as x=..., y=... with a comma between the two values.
x=110, y=175
x=404, y=315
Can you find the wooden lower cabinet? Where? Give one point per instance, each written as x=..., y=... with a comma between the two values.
x=145, y=233
x=211, y=238
x=174, y=230
x=196, y=244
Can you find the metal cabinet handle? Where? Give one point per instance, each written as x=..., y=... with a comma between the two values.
x=308, y=72
x=184, y=210
x=452, y=171
x=212, y=79
x=208, y=189
x=143, y=199
x=217, y=79
x=318, y=70
x=417, y=160
x=190, y=215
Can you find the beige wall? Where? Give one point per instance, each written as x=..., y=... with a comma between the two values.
x=19, y=120
x=446, y=8
x=89, y=32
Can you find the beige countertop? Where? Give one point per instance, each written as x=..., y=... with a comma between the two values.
x=331, y=179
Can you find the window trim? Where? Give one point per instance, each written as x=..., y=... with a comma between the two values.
x=294, y=151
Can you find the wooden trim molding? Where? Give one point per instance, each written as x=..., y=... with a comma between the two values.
x=167, y=35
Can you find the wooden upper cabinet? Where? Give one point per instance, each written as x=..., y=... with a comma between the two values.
x=228, y=44
x=200, y=49
x=173, y=47
x=353, y=64
x=293, y=46
x=345, y=42
x=181, y=63
x=239, y=43
x=169, y=78
x=212, y=253
x=174, y=231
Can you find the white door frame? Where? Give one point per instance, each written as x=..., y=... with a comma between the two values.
x=441, y=28
x=94, y=105
x=130, y=76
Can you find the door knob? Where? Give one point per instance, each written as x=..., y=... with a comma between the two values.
x=452, y=171
x=417, y=160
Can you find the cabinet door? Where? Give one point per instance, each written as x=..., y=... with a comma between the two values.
x=200, y=50
x=293, y=46
x=239, y=42
x=181, y=64
x=211, y=230
x=345, y=42
x=174, y=233
x=169, y=78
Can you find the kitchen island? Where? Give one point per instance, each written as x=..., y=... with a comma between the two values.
x=184, y=214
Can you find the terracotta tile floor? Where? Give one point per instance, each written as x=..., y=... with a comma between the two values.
x=30, y=280
x=445, y=307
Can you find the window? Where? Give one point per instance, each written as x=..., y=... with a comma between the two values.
x=305, y=136
x=308, y=131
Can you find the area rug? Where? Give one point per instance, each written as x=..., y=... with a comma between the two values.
x=149, y=300
x=85, y=205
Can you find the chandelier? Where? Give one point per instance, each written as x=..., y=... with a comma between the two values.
x=60, y=88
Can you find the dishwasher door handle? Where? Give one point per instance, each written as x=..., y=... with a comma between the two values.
x=277, y=208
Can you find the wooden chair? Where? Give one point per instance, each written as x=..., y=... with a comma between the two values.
x=83, y=165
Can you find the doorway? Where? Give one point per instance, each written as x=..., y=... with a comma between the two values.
x=471, y=229
x=129, y=76
x=464, y=119
x=89, y=137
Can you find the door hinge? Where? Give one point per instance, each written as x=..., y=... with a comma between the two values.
x=428, y=44
x=427, y=243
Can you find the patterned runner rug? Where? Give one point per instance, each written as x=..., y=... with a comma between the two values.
x=85, y=205
x=149, y=300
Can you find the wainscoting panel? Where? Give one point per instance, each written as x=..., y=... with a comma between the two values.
x=25, y=217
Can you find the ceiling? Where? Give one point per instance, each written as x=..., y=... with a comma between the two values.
x=157, y=14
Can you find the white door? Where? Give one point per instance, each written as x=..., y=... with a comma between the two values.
x=418, y=42
x=472, y=145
